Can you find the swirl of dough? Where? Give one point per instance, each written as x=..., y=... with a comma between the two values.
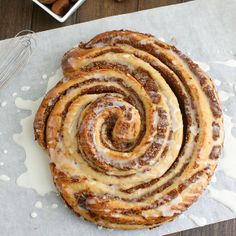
x=133, y=132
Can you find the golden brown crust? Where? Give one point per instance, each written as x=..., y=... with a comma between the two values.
x=133, y=132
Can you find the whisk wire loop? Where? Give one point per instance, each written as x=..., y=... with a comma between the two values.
x=15, y=56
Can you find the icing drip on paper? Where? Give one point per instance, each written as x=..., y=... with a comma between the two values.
x=3, y=103
x=230, y=63
x=4, y=178
x=226, y=197
x=37, y=175
x=34, y=214
x=25, y=88
x=205, y=67
x=38, y=205
x=200, y=221
x=228, y=162
x=217, y=82
x=213, y=179
x=162, y=39
x=224, y=96
x=54, y=206
x=44, y=76
x=5, y=151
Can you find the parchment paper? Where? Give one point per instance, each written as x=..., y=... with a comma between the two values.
x=206, y=29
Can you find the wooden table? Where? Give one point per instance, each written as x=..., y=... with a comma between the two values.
x=23, y=14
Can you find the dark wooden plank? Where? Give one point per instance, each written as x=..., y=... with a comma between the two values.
x=92, y=10
x=41, y=20
x=15, y=16
x=146, y=4
x=226, y=228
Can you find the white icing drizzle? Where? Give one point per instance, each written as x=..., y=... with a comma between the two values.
x=38, y=204
x=54, y=206
x=126, y=55
x=224, y=96
x=230, y=62
x=3, y=103
x=205, y=67
x=173, y=113
x=213, y=179
x=166, y=208
x=224, y=196
x=25, y=88
x=100, y=45
x=37, y=175
x=4, y=178
x=200, y=221
x=194, y=129
x=162, y=39
x=44, y=76
x=34, y=214
x=217, y=82
x=147, y=41
x=5, y=151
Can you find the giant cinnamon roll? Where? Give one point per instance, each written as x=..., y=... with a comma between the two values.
x=133, y=132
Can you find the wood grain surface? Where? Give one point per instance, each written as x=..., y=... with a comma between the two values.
x=23, y=14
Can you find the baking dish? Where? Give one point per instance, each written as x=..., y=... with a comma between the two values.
x=57, y=17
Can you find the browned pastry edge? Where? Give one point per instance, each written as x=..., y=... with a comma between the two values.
x=66, y=198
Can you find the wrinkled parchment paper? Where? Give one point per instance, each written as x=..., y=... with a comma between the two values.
x=206, y=30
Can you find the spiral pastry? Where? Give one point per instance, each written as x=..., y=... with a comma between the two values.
x=133, y=131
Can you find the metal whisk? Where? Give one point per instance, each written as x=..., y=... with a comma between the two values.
x=16, y=55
